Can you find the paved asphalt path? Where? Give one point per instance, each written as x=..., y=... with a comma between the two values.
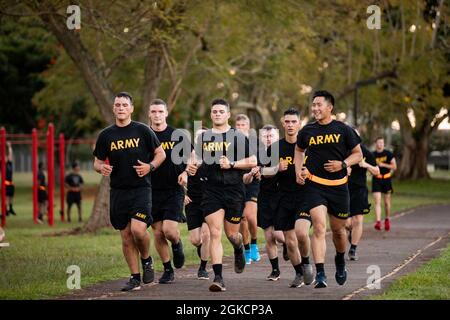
x=416, y=236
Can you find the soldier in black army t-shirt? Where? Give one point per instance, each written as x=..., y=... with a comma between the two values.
x=197, y=227
x=249, y=224
x=167, y=194
x=382, y=183
x=332, y=146
x=268, y=200
x=291, y=216
x=74, y=182
x=359, y=197
x=225, y=154
x=128, y=151
x=9, y=180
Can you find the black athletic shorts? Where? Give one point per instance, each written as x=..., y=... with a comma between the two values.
x=73, y=197
x=267, y=208
x=226, y=196
x=382, y=185
x=194, y=215
x=252, y=191
x=335, y=198
x=42, y=196
x=289, y=207
x=359, y=201
x=167, y=204
x=10, y=191
x=127, y=204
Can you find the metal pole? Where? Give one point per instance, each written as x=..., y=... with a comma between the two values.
x=61, y=172
x=3, y=169
x=34, y=165
x=51, y=171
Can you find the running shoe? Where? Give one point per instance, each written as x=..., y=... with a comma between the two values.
x=274, y=275
x=202, y=274
x=387, y=224
x=377, y=225
x=297, y=282
x=178, y=255
x=321, y=280
x=255, y=252
x=248, y=256
x=167, y=277
x=217, y=285
x=132, y=285
x=308, y=274
x=341, y=272
x=148, y=275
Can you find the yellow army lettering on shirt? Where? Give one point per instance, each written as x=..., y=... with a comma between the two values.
x=140, y=215
x=381, y=159
x=124, y=144
x=289, y=160
x=168, y=145
x=324, y=139
x=216, y=146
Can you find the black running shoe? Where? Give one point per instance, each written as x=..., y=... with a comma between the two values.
x=167, y=277
x=341, y=273
x=202, y=274
x=285, y=253
x=217, y=285
x=239, y=261
x=320, y=281
x=148, y=275
x=178, y=255
x=297, y=282
x=352, y=256
x=132, y=285
x=274, y=275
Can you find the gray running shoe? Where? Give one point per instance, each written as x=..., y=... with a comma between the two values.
x=297, y=282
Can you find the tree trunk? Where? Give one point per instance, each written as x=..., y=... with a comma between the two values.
x=100, y=211
x=154, y=68
x=413, y=164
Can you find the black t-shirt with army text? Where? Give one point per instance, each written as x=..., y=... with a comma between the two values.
x=332, y=141
x=384, y=156
x=166, y=176
x=211, y=146
x=123, y=147
x=358, y=177
x=286, y=179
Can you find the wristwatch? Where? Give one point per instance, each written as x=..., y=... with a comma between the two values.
x=232, y=164
x=152, y=167
x=344, y=165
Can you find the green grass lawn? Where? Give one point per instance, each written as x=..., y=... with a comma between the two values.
x=34, y=266
x=430, y=282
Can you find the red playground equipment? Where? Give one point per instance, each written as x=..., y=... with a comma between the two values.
x=49, y=144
